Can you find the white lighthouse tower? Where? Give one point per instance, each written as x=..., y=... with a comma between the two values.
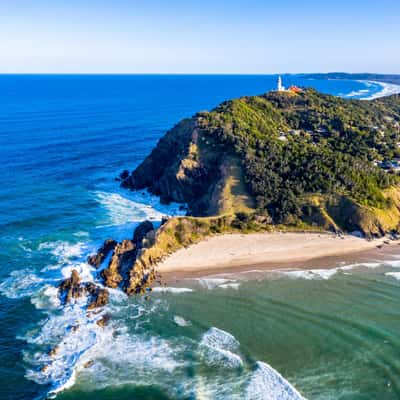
x=280, y=88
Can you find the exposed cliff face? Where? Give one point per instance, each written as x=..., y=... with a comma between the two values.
x=95, y=260
x=270, y=152
x=189, y=166
x=339, y=213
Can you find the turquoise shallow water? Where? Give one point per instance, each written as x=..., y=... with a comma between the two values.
x=62, y=141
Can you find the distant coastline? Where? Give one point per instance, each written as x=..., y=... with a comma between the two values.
x=388, y=89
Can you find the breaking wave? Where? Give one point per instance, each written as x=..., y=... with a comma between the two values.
x=126, y=207
x=373, y=90
x=266, y=383
x=347, y=269
x=70, y=339
x=219, y=348
x=241, y=379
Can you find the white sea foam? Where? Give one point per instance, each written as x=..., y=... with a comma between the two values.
x=268, y=384
x=124, y=357
x=128, y=207
x=311, y=273
x=230, y=286
x=72, y=333
x=180, y=321
x=63, y=250
x=372, y=265
x=345, y=269
x=112, y=349
x=357, y=93
x=47, y=298
x=262, y=382
x=395, y=275
x=212, y=283
x=72, y=330
x=175, y=290
x=218, y=348
x=387, y=89
x=21, y=283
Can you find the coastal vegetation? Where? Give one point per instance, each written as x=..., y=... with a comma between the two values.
x=285, y=148
x=288, y=161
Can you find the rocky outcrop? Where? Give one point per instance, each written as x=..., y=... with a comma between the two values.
x=73, y=288
x=97, y=259
x=98, y=297
x=120, y=268
x=122, y=259
x=184, y=167
x=141, y=231
x=104, y=320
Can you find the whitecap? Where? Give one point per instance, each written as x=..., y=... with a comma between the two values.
x=180, y=321
x=230, y=286
x=311, y=273
x=218, y=348
x=387, y=89
x=64, y=250
x=268, y=384
x=212, y=283
x=46, y=298
x=175, y=290
x=127, y=207
x=84, y=270
x=125, y=357
x=395, y=275
x=72, y=333
x=21, y=283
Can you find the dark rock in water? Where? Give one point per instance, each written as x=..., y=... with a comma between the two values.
x=99, y=298
x=53, y=351
x=104, y=320
x=71, y=288
x=149, y=239
x=164, y=219
x=124, y=174
x=141, y=231
x=95, y=260
x=127, y=183
x=88, y=364
x=121, y=261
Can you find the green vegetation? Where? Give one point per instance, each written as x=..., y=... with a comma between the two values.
x=292, y=145
x=303, y=160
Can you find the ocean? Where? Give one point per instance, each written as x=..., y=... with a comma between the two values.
x=63, y=140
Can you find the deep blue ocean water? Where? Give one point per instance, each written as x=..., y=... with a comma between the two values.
x=63, y=139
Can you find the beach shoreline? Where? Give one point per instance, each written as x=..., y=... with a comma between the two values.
x=268, y=252
x=388, y=89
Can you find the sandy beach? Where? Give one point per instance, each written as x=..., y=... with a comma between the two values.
x=234, y=252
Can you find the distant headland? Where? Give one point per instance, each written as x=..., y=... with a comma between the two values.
x=290, y=160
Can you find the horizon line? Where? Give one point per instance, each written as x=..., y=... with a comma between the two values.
x=197, y=73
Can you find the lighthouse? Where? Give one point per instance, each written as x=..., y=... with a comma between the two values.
x=280, y=88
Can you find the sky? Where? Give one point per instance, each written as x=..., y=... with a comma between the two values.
x=208, y=36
